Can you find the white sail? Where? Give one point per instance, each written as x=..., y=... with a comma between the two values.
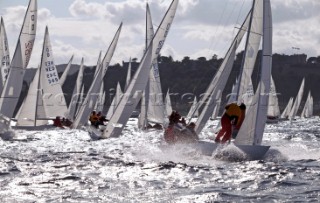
x=66, y=72
x=308, y=107
x=168, y=104
x=233, y=95
x=74, y=103
x=217, y=107
x=273, y=107
x=115, y=101
x=288, y=108
x=152, y=106
x=309, y=113
x=251, y=48
x=27, y=115
x=4, y=55
x=53, y=97
x=193, y=112
x=92, y=94
x=248, y=94
x=297, y=101
x=251, y=131
x=220, y=79
x=80, y=101
x=13, y=85
x=98, y=63
x=138, y=84
x=128, y=78
x=101, y=98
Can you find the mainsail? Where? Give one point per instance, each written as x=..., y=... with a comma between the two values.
x=28, y=112
x=152, y=107
x=251, y=48
x=251, y=131
x=13, y=85
x=4, y=55
x=53, y=97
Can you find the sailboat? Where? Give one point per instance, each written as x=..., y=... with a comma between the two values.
x=152, y=106
x=286, y=111
x=45, y=99
x=91, y=97
x=273, y=105
x=307, y=111
x=250, y=135
x=138, y=84
x=297, y=101
x=13, y=85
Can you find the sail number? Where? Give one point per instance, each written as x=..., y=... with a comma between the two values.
x=51, y=73
x=161, y=42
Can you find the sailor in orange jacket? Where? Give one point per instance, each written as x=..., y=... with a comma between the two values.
x=231, y=115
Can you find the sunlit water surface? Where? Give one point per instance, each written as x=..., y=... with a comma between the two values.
x=67, y=166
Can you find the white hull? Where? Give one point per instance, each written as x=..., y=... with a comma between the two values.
x=253, y=152
x=95, y=133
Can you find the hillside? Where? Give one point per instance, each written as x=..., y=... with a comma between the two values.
x=188, y=77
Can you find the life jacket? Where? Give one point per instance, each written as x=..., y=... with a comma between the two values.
x=94, y=118
x=232, y=111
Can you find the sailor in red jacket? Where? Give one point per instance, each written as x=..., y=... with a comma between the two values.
x=231, y=115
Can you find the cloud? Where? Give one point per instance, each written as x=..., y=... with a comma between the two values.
x=291, y=10
x=201, y=27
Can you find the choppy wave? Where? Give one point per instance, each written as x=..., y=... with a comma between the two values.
x=57, y=165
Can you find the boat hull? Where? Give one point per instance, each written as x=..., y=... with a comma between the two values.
x=253, y=152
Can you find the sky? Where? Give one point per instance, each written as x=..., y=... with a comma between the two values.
x=200, y=28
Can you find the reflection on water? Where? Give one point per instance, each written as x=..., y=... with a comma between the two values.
x=67, y=166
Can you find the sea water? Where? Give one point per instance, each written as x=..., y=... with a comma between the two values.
x=56, y=165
